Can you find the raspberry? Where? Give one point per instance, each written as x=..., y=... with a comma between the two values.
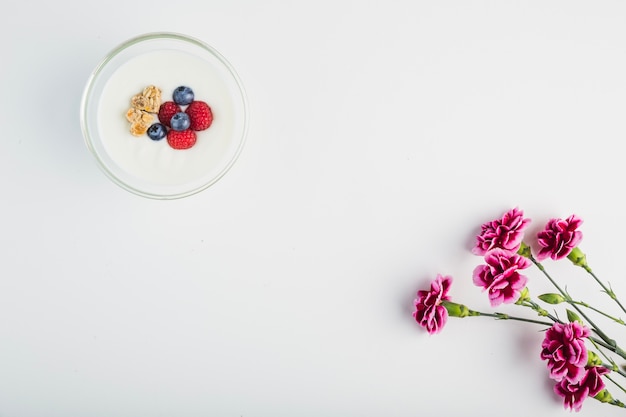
x=166, y=111
x=200, y=115
x=181, y=139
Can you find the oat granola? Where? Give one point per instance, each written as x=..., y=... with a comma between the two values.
x=143, y=106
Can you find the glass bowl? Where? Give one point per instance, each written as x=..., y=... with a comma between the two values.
x=152, y=168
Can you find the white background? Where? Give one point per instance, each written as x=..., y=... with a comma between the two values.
x=382, y=135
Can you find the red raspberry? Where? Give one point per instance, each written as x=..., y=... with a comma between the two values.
x=200, y=115
x=181, y=139
x=166, y=111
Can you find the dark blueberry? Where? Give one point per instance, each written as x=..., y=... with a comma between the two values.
x=180, y=121
x=157, y=131
x=183, y=95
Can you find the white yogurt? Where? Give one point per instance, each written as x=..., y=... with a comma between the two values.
x=156, y=162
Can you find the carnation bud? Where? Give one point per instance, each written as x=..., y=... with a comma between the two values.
x=593, y=359
x=456, y=310
x=604, y=396
x=577, y=257
x=551, y=298
x=572, y=317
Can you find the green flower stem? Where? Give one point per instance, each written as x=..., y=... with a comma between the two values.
x=568, y=299
x=613, y=348
x=540, y=311
x=461, y=310
x=616, y=370
x=613, y=365
x=614, y=401
x=502, y=316
x=606, y=289
x=582, y=303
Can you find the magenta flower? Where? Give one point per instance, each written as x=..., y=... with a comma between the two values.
x=574, y=394
x=559, y=237
x=505, y=233
x=500, y=277
x=429, y=312
x=564, y=349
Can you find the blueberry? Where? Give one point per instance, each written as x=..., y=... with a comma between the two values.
x=183, y=95
x=157, y=131
x=180, y=121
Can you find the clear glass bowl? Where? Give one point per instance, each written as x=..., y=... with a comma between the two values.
x=152, y=168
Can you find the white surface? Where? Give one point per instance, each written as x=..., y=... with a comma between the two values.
x=381, y=137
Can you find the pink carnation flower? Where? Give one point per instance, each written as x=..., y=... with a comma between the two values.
x=559, y=237
x=505, y=233
x=564, y=349
x=574, y=394
x=429, y=312
x=500, y=277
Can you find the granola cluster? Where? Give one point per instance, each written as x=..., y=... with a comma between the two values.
x=143, y=107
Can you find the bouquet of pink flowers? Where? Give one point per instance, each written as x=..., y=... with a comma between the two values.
x=579, y=355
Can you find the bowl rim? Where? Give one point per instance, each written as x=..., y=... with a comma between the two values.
x=85, y=105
